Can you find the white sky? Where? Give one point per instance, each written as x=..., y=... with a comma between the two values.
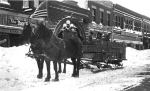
x=139, y=6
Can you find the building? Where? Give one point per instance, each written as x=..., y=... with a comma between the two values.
x=13, y=15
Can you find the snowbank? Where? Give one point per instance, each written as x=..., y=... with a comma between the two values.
x=14, y=56
x=19, y=73
x=137, y=54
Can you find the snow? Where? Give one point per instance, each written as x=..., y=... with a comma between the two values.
x=18, y=73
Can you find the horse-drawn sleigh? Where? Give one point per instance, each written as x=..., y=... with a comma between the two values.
x=70, y=39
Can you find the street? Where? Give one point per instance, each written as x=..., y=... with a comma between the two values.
x=19, y=74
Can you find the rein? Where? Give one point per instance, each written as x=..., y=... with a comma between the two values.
x=55, y=43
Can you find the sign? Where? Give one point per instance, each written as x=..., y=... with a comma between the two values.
x=16, y=22
x=10, y=31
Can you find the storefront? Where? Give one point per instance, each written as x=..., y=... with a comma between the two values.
x=11, y=26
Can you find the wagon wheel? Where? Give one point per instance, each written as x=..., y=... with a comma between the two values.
x=72, y=21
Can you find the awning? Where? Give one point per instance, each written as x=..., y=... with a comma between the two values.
x=11, y=29
x=128, y=41
x=40, y=12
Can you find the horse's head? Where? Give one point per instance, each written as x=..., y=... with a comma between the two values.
x=26, y=33
x=42, y=32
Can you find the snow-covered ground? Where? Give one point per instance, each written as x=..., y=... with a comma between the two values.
x=18, y=73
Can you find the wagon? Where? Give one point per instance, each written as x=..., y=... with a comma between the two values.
x=95, y=51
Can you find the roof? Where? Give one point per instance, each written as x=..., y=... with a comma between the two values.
x=106, y=3
x=117, y=6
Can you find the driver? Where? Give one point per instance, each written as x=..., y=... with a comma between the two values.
x=69, y=30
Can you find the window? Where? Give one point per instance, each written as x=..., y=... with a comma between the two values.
x=119, y=21
x=36, y=3
x=122, y=23
x=139, y=26
x=148, y=29
x=108, y=18
x=131, y=24
x=116, y=20
x=135, y=26
x=40, y=1
x=94, y=13
x=127, y=24
x=101, y=15
x=145, y=28
x=25, y=4
x=4, y=2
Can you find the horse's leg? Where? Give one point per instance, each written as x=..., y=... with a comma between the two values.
x=48, y=70
x=78, y=66
x=78, y=61
x=74, y=66
x=64, y=71
x=59, y=71
x=56, y=72
x=40, y=67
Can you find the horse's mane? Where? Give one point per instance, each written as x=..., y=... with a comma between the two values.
x=26, y=33
x=43, y=31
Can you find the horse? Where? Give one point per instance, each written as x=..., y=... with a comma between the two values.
x=26, y=38
x=57, y=49
x=61, y=35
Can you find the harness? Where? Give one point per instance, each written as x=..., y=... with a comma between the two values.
x=52, y=41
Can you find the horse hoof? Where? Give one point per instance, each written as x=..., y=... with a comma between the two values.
x=47, y=79
x=55, y=80
x=73, y=75
x=39, y=76
x=59, y=71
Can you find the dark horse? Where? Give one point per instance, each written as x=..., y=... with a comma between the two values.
x=26, y=37
x=57, y=49
x=53, y=48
